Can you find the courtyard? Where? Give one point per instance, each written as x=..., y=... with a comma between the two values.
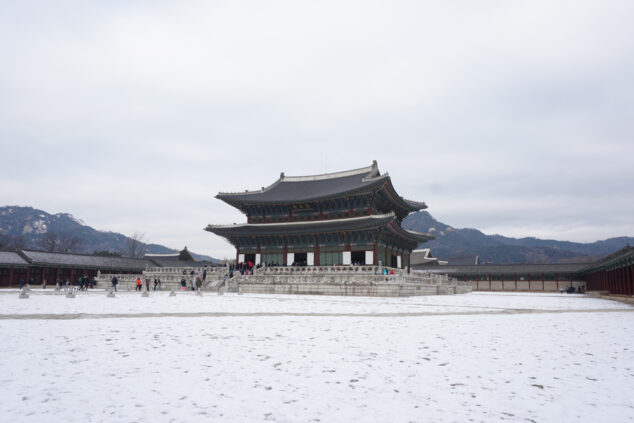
x=476, y=357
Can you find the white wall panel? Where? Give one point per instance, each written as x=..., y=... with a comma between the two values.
x=347, y=257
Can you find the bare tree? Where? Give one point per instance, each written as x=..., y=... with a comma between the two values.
x=12, y=242
x=49, y=242
x=136, y=246
x=68, y=244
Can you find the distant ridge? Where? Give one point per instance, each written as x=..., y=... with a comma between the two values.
x=27, y=227
x=462, y=246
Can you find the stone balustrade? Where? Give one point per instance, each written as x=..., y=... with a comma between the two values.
x=328, y=280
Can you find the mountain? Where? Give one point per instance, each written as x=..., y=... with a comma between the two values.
x=29, y=228
x=461, y=246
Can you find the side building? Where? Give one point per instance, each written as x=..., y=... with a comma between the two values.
x=343, y=218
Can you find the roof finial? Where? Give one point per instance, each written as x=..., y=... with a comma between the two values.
x=281, y=175
x=374, y=164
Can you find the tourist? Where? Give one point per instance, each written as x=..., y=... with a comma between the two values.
x=199, y=283
x=21, y=284
x=204, y=274
x=114, y=281
x=155, y=283
x=147, y=284
x=44, y=284
x=159, y=284
x=183, y=283
x=139, y=286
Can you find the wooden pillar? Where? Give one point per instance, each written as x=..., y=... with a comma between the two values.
x=515, y=276
x=529, y=282
x=375, y=250
x=543, y=285
x=489, y=277
x=478, y=282
x=43, y=276
x=284, y=252
x=316, y=260
x=388, y=261
x=10, y=276
x=502, y=281
x=557, y=281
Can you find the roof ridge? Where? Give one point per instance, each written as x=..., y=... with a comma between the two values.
x=371, y=171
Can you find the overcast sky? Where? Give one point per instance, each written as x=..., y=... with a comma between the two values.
x=510, y=117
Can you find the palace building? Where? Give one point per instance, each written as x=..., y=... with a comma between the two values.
x=343, y=218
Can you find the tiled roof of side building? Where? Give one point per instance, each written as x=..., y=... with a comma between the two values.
x=624, y=254
x=161, y=262
x=88, y=261
x=11, y=258
x=292, y=189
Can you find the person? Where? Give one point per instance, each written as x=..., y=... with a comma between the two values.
x=155, y=283
x=44, y=284
x=159, y=284
x=138, y=285
x=204, y=274
x=147, y=284
x=21, y=284
x=183, y=284
x=114, y=281
x=199, y=282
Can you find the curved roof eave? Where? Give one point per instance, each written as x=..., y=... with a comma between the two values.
x=351, y=223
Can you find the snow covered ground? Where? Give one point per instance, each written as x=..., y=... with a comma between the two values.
x=240, y=358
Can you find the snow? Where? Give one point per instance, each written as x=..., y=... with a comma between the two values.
x=480, y=357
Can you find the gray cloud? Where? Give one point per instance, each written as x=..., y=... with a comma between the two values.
x=510, y=117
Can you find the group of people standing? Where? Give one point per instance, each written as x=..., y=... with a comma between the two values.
x=148, y=281
x=80, y=284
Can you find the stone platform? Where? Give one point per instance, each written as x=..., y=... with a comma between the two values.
x=310, y=280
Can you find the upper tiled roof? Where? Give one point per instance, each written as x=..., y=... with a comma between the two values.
x=11, y=258
x=88, y=261
x=292, y=189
